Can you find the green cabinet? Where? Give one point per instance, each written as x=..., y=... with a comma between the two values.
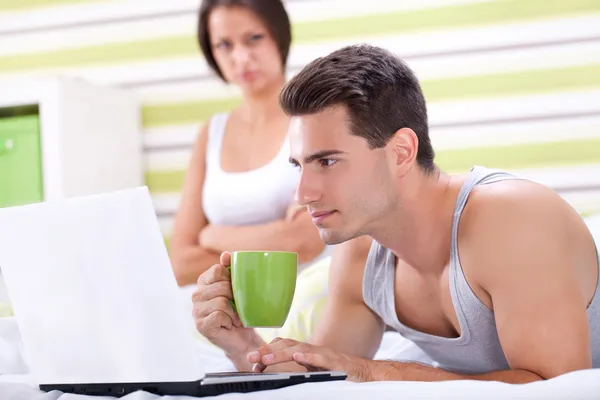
x=20, y=161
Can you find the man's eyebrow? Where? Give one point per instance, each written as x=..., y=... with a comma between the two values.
x=317, y=156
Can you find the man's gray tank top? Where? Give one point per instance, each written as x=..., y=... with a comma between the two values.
x=477, y=350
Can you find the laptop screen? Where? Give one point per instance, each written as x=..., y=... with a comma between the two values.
x=92, y=288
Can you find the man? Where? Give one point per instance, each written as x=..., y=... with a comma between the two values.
x=493, y=277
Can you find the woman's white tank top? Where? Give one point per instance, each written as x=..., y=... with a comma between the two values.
x=251, y=197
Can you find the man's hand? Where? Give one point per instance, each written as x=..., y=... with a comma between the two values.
x=313, y=358
x=215, y=317
x=288, y=352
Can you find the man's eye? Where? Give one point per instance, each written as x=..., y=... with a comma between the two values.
x=327, y=162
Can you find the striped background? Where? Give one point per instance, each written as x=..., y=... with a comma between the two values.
x=512, y=84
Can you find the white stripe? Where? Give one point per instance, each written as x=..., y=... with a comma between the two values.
x=585, y=202
x=180, y=135
x=546, y=131
x=407, y=46
x=167, y=160
x=507, y=61
x=319, y=10
x=77, y=13
x=166, y=203
x=464, y=111
x=166, y=225
x=510, y=107
x=565, y=177
x=94, y=35
x=201, y=89
x=155, y=27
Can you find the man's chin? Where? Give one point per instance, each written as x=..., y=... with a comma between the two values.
x=332, y=237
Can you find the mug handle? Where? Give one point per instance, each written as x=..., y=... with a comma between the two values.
x=232, y=302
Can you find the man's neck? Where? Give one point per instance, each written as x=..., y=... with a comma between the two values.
x=418, y=232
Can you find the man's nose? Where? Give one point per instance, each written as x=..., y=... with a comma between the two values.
x=308, y=190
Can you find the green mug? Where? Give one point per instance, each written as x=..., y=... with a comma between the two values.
x=263, y=284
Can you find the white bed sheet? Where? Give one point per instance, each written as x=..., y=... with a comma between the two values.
x=576, y=385
x=19, y=385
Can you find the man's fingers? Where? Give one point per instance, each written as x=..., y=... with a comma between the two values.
x=217, y=289
x=222, y=304
x=318, y=361
x=258, y=367
x=280, y=344
x=226, y=258
x=213, y=323
x=216, y=273
x=276, y=344
x=218, y=320
x=281, y=356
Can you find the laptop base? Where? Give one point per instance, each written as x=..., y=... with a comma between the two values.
x=211, y=385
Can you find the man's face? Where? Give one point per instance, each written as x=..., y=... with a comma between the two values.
x=345, y=185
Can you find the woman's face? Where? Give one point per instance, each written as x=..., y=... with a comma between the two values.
x=244, y=49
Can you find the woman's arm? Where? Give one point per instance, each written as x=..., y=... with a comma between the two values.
x=295, y=233
x=188, y=258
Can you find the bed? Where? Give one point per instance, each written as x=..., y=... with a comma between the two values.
x=575, y=385
x=16, y=383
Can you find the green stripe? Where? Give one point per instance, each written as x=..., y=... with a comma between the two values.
x=18, y=5
x=590, y=213
x=552, y=154
x=524, y=82
x=304, y=32
x=185, y=112
x=164, y=181
x=555, y=154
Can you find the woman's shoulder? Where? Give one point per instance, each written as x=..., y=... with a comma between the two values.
x=216, y=123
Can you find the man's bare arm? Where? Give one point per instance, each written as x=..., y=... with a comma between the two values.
x=518, y=249
x=347, y=324
x=395, y=371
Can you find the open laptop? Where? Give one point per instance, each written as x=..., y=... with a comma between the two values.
x=98, y=306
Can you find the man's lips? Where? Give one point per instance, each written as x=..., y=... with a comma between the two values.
x=318, y=216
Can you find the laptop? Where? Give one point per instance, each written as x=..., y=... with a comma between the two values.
x=98, y=306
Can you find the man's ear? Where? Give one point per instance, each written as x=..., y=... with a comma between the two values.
x=404, y=148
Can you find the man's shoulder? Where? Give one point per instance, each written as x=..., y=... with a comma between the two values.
x=504, y=219
x=504, y=203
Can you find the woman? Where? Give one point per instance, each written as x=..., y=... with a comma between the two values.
x=239, y=188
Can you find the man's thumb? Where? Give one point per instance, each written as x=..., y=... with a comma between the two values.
x=226, y=258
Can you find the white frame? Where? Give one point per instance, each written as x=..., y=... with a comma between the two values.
x=56, y=131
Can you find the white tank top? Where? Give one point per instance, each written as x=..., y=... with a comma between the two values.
x=251, y=197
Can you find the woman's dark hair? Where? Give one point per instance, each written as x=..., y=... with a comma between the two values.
x=271, y=12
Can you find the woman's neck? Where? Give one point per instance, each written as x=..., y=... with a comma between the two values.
x=258, y=108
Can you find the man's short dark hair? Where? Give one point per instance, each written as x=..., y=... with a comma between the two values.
x=380, y=92
x=271, y=12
